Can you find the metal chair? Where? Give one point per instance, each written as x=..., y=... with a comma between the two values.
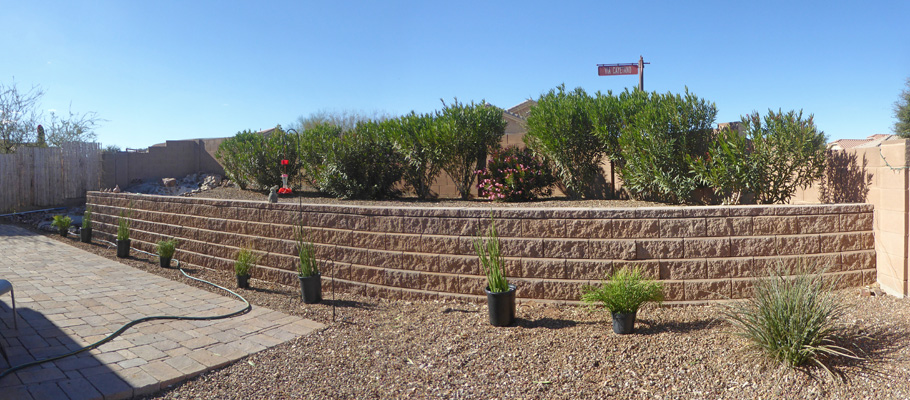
x=6, y=286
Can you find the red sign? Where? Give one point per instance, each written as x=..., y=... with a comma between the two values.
x=630, y=69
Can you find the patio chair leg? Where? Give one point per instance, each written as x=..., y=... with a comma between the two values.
x=12, y=295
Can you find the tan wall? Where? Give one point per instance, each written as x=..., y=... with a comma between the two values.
x=700, y=253
x=889, y=193
x=174, y=159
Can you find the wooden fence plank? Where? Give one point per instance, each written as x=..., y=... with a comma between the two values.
x=42, y=177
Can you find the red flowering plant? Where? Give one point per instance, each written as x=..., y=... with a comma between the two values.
x=514, y=174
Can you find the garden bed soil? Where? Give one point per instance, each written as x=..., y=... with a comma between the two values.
x=389, y=349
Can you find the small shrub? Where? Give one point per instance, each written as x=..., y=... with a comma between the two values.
x=514, y=174
x=306, y=252
x=166, y=248
x=62, y=222
x=87, y=219
x=491, y=262
x=791, y=319
x=361, y=164
x=123, y=225
x=244, y=261
x=624, y=292
x=468, y=132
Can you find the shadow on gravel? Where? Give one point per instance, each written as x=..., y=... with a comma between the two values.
x=549, y=323
x=458, y=310
x=874, y=348
x=349, y=304
x=645, y=326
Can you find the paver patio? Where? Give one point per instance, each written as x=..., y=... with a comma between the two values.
x=68, y=298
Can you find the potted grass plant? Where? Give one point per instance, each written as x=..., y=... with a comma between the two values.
x=166, y=249
x=85, y=234
x=307, y=268
x=242, y=266
x=623, y=293
x=62, y=222
x=123, y=235
x=500, y=294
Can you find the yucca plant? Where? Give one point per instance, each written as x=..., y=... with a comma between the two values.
x=791, y=318
x=491, y=263
x=306, y=252
x=123, y=226
x=87, y=219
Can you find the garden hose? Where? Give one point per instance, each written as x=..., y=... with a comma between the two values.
x=126, y=326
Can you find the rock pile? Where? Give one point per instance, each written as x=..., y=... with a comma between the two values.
x=186, y=186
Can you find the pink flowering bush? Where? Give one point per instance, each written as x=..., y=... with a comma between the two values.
x=514, y=174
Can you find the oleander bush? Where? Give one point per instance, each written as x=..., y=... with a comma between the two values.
x=416, y=137
x=253, y=159
x=360, y=164
x=468, y=132
x=514, y=174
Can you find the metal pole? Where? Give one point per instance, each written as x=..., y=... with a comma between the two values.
x=641, y=73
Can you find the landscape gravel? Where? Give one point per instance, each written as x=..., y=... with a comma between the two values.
x=390, y=349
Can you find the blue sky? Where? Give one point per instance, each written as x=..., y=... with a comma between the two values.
x=167, y=70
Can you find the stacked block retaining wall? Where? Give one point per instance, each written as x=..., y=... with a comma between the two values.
x=700, y=253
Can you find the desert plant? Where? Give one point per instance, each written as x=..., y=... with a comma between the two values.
x=306, y=252
x=62, y=222
x=624, y=291
x=561, y=132
x=256, y=158
x=656, y=141
x=123, y=225
x=487, y=248
x=514, y=174
x=87, y=219
x=166, y=248
x=792, y=319
x=244, y=261
x=468, y=132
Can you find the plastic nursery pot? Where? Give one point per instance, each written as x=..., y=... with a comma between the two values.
x=85, y=235
x=501, y=306
x=243, y=281
x=311, y=288
x=623, y=324
x=123, y=248
x=63, y=231
x=165, y=262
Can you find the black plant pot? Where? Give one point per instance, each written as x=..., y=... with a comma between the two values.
x=243, y=281
x=85, y=235
x=311, y=288
x=123, y=248
x=623, y=324
x=63, y=231
x=501, y=306
x=165, y=262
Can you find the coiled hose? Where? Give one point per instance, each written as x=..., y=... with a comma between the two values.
x=130, y=324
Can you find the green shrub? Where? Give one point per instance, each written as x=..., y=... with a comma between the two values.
x=491, y=262
x=313, y=147
x=468, y=132
x=62, y=222
x=87, y=218
x=729, y=167
x=306, y=252
x=791, y=319
x=561, y=132
x=624, y=292
x=417, y=139
x=361, y=164
x=244, y=261
x=123, y=225
x=514, y=174
x=255, y=158
x=657, y=142
x=166, y=248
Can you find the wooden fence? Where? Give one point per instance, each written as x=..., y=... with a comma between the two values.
x=42, y=177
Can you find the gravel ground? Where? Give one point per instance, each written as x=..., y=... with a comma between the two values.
x=381, y=349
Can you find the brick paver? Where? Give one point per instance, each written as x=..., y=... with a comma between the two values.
x=68, y=298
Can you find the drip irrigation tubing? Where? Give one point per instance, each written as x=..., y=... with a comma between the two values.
x=134, y=322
